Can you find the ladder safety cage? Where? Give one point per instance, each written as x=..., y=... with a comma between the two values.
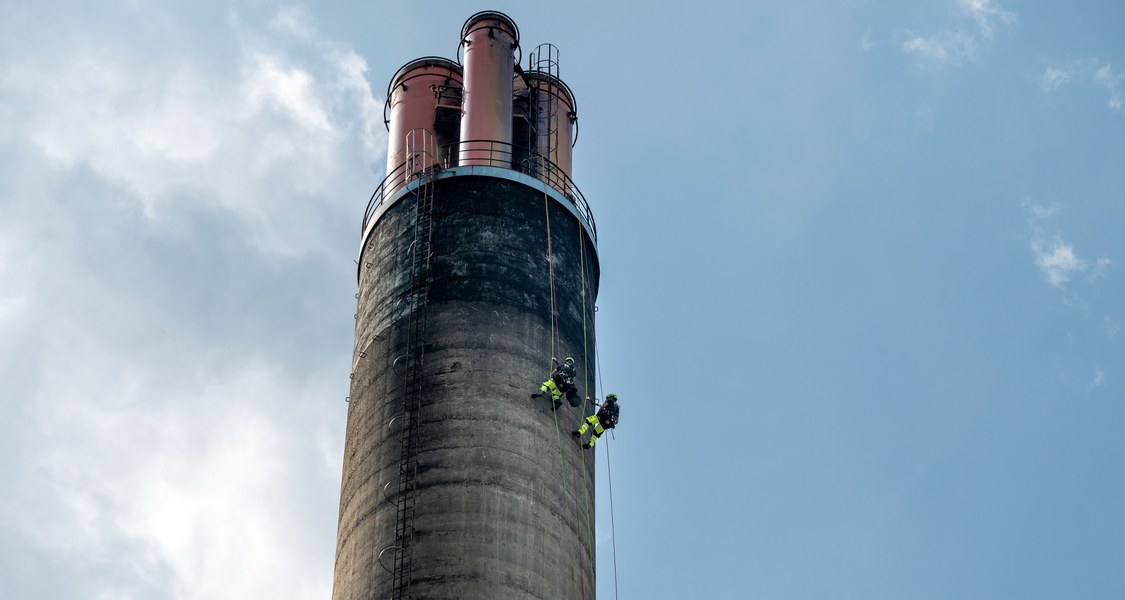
x=544, y=60
x=420, y=164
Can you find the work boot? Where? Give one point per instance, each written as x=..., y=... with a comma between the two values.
x=537, y=395
x=589, y=444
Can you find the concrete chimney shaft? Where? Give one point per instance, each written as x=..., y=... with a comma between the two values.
x=455, y=483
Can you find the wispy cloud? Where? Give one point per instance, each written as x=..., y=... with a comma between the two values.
x=1056, y=258
x=1108, y=79
x=1053, y=78
x=1101, y=74
x=986, y=14
x=865, y=41
x=1098, y=379
x=1112, y=327
x=944, y=48
x=959, y=43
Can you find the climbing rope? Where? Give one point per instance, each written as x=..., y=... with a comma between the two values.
x=585, y=295
x=582, y=509
x=609, y=470
x=585, y=364
x=556, y=344
x=612, y=524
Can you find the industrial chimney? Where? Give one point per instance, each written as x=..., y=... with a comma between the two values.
x=477, y=265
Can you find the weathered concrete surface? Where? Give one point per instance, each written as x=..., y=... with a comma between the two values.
x=505, y=504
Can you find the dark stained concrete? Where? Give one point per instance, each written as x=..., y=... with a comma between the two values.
x=505, y=501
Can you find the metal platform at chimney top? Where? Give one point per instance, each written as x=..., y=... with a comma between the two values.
x=484, y=153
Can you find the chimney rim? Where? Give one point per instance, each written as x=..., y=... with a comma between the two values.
x=425, y=61
x=534, y=75
x=493, y=15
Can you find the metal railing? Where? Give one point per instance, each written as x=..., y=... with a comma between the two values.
x=482, y=153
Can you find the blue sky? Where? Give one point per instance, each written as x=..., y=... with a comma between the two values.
x=861, y=293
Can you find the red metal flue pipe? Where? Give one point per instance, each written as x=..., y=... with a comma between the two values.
x=488, y=40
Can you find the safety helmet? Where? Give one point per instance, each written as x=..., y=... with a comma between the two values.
x=569, y=360
x=611, y=397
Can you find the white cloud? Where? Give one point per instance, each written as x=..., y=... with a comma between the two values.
x=986, y=14
x=1098, y=380
x=14, y=302
x=202, y=477
x=1112, y=327
x=293, y=112
x=1102, y=74
x=1105, y=77
x=152, y=450
x=271, y=85
x=1041, y=212
x=177, y=223
x=1056, y=258
x=944, y=48
x=1053, y=78
x=293, y=20
x=1100, y=267
x=865, y=41
x=957, y=44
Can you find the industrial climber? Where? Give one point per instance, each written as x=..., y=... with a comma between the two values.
x=561, y=383
x=606, y=418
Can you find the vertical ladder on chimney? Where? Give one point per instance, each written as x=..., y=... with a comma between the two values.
x=545, y=60
x=421, y=165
